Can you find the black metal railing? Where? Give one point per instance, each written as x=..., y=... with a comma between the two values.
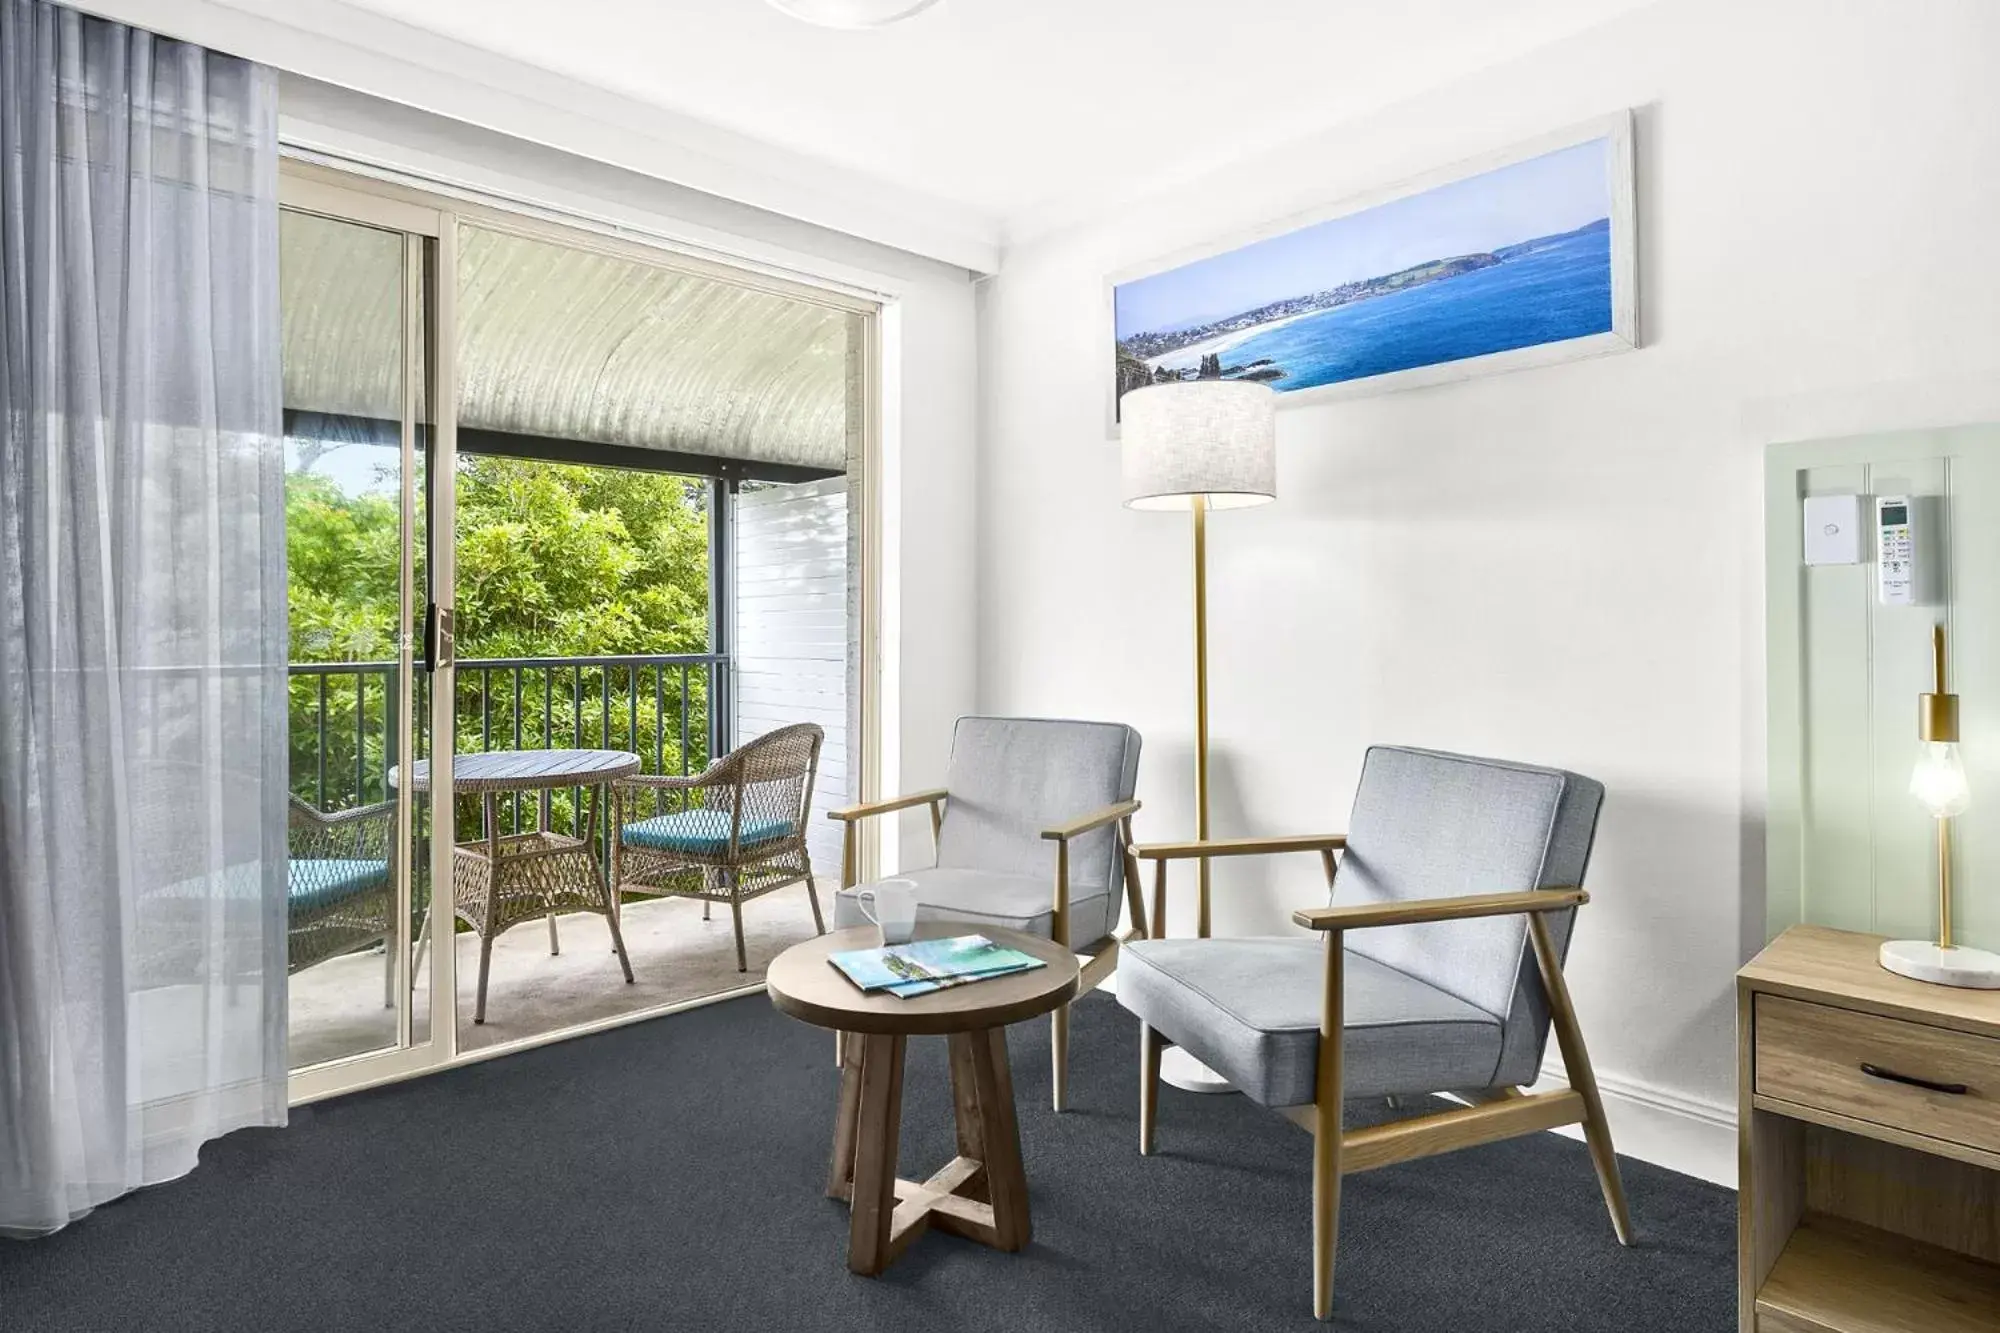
x=666, y=707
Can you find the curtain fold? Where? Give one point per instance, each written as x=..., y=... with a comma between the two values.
x=142, y=610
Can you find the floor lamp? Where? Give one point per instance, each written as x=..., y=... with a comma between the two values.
x=1199, y=445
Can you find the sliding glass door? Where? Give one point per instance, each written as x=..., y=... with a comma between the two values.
x=367, y=577
x=530, y=444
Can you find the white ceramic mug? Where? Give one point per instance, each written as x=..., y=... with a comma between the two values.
x=892, y=906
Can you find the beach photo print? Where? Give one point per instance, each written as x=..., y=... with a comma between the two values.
x=1519, y=260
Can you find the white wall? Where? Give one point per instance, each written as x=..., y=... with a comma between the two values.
x=1560, y=565
x=791, y=633
x=931, y=374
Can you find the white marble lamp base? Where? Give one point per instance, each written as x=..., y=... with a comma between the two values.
x=1191, y=1075
x=1920, y=960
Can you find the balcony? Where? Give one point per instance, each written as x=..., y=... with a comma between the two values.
x=674, y=710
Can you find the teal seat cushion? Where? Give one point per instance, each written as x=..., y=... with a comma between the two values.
x=322, y=883
x=703, y=832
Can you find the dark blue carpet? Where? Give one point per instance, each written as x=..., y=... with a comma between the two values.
x=667, y=1176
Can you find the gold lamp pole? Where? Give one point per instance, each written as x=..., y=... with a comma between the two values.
x=1200, y=508
x=1938, y=782
x=1199, y=445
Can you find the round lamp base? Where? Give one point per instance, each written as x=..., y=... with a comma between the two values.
x=1920, y=960
x=1191, y=1075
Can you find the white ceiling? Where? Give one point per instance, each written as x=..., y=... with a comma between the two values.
x=1026, y=113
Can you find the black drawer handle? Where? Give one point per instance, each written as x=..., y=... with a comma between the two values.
x=1891, y=1076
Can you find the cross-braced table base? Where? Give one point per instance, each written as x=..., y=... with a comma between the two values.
x=981, y=1194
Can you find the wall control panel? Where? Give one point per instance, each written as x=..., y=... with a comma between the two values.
x=1895, y=550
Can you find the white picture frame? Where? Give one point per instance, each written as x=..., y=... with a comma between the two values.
x=1622, y=336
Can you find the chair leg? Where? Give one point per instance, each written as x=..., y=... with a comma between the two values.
x=812, y=896
x=1329, y=1092
x=1059, y=1056
x=618, y=944
x=1326, y=1205
x=736, y=911
x=1150, y=1045
x=1576, y=1067
x=485, y=968
x=389, y=973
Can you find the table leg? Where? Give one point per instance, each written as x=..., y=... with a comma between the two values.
x=489, y=808
x=840, y=1175
x=597, y=868
x=878, y=1125
x=965, y=1109
x=1000, y=1137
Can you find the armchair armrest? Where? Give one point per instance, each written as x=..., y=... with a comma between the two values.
x=850, y=813
x=1416, y=911
x=339, y=818
x=667, y=781
x=1186, y=851
x=1097, y=819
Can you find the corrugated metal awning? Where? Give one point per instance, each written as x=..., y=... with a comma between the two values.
x=567, y=344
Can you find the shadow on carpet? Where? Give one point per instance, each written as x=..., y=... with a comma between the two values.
x=667, y=1176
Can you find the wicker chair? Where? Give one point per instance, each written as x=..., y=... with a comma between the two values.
x=740, y=835
x=339, y=887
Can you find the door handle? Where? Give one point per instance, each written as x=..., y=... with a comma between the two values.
x=1911, y=1080
x=438, y=644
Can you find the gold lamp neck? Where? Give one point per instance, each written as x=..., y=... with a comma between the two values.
x=1937, y=712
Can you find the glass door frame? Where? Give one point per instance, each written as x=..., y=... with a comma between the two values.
x=425, y=351
x=375, y=199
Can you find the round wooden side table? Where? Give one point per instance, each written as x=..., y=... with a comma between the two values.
x=981, y=1194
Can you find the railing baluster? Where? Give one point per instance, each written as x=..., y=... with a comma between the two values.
x=321, y=802
x=360, y=743
x=576, y=793
x=684, y=719
x=514, y=798
x=659, y=734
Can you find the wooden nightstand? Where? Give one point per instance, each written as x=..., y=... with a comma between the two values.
x=1869, y=1109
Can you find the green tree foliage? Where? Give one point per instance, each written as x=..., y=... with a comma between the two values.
x=553, y=561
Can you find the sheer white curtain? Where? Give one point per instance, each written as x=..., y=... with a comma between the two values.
x=142, y=610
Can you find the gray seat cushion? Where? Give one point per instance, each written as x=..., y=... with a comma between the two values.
x=1250, y=1009
x=986, y=898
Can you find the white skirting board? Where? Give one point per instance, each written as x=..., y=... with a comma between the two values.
x=1669, y=1129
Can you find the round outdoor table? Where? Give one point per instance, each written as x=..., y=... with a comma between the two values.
x=981, y=1194
x=500, y=882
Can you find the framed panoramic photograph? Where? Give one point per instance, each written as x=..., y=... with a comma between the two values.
x=1519, y=259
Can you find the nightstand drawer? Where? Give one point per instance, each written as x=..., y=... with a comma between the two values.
x=1888, y=1071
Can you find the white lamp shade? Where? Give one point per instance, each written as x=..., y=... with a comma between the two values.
x=1212, y=438
x=1939, y=780
x=851, y=13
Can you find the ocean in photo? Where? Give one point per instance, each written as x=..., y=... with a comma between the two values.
x=1547, y=294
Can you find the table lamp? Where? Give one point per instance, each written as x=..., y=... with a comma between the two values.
x=1938, y=782
x=1199, y=445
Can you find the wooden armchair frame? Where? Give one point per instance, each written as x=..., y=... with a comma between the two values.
x=1100, y=964
x=1506, y=1113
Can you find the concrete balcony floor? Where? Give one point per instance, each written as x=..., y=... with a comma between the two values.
x=337, y=1010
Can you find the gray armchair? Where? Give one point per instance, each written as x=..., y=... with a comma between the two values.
x=1438, y=968
x=1033, y=830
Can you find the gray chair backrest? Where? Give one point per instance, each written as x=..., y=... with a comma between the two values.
x=1012, y=777
x=1434, y=825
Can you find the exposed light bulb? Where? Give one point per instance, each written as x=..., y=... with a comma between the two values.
x=1938, y=780
x=851, y=13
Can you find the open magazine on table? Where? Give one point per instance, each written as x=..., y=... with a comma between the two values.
x=923, y=966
